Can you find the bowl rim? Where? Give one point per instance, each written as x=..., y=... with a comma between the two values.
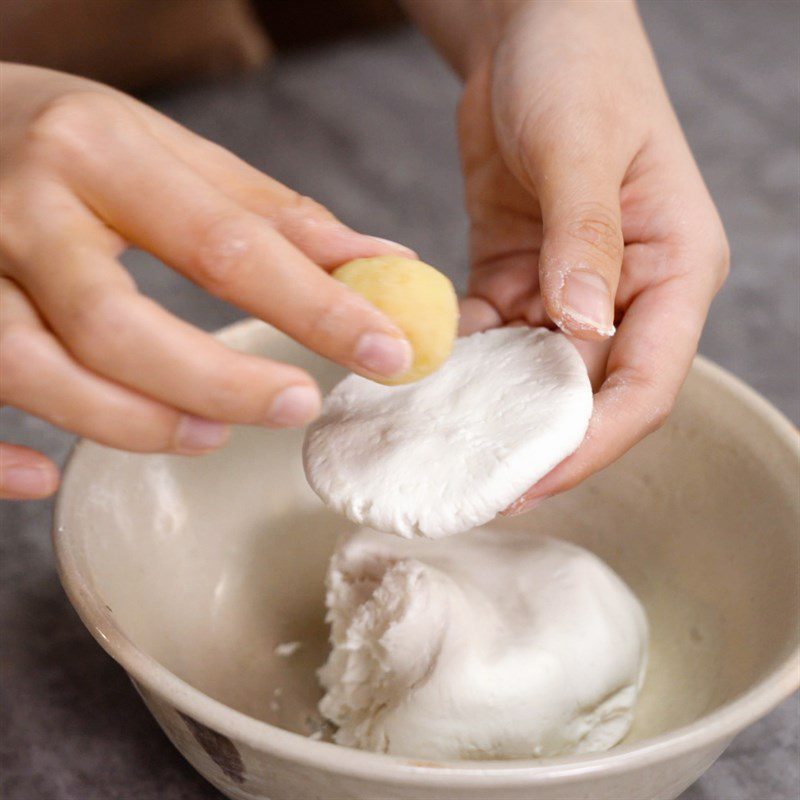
x=717, y=727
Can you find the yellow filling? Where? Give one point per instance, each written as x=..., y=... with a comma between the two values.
x=417, y=298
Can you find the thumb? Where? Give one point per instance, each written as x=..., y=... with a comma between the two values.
x=582, y=247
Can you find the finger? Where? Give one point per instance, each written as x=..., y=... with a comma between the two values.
x=40, y=377
x=505, y=233
x=582, y=249
x=477, y=314
x=595, y=357
x=310, y=226
x=130, y=340
x=648, y=362
x=25, y=474
x=161, y=205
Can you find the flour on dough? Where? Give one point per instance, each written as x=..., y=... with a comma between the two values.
x=451, y=451
x=491, y=644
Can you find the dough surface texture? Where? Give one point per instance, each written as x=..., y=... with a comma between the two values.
x=449, y=452
x=492, y=644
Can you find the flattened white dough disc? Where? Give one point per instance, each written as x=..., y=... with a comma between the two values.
x=447, y=453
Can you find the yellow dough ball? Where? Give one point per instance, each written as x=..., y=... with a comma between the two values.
x=417, y=298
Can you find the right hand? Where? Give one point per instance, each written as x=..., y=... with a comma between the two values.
x=87, y=171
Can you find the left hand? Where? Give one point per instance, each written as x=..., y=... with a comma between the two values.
x=588, y=211
x=86, y=171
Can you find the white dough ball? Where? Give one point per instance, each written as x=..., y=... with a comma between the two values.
x=492, y=644
x=451, y=451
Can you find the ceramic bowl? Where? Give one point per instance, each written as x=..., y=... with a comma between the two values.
x=191, y=572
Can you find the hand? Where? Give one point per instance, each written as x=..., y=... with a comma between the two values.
x=87, y=171
x=588, y=211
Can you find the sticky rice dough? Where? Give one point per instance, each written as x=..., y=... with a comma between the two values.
x=449, y=452
x=491, y=644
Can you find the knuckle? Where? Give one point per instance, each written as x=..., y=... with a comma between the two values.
x=228, y=395
x=239, y=389
x=222, y=254
x=302, y=206
x=333, y=322
x=599, y=228
x=652, y=406
x=97, y=322
x=142, y=428
x=67, y=126
x=150, y=431
x=302, y=220
x=723, y=262
x=658, y=414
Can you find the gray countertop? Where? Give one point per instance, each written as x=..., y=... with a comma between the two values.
x=367, y=128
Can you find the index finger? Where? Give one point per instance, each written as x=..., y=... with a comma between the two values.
x=164, y=206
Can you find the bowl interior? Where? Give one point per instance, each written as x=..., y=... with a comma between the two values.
x=209, y=564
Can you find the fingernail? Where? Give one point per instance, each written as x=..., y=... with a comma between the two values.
x=383, y=354
x=197, y=435
x=294, y=406
x=27, y=481
x=587, y=301
x=523, y=504
x=394, y=245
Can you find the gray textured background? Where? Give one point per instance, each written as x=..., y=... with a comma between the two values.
x=367, y=128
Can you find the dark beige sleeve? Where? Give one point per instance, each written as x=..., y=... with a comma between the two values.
x=133, y=44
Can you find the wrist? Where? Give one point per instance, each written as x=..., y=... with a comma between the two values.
x=464, y=31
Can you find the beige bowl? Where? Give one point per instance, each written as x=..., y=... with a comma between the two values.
x=190, y=572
